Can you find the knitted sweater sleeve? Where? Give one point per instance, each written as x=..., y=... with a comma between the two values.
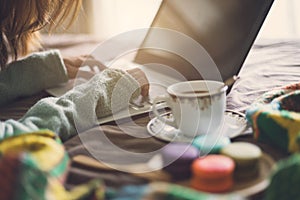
x=31, y=74
x=79, y=109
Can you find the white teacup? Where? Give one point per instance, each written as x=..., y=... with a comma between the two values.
x=197, y=106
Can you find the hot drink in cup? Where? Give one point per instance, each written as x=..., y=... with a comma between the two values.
x=197, y=106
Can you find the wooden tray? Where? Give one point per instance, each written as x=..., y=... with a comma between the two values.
x=249, y=187
x=245, y=188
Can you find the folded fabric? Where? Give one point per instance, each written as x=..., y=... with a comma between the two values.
x=285, y=179
x=275, y=118
x=35, y=165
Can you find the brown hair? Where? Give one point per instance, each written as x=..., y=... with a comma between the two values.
x=21, y=19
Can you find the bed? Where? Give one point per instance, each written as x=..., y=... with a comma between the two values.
x=270, y=64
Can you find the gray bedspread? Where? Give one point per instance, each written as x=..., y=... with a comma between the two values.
x=270, y=64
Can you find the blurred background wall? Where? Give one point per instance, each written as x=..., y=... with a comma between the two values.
x=283, y=20
x=105, y=18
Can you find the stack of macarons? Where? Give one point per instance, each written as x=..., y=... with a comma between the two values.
x=234, y=161
x=211, y=164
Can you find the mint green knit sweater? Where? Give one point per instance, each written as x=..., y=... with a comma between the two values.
x=72, y=113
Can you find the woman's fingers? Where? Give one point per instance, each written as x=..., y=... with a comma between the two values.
x=93, y=63
x=73, y=63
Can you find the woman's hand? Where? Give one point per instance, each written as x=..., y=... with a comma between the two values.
x=75, y=62
x=141, y=78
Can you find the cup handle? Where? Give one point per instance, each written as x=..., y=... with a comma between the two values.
x=165, y=99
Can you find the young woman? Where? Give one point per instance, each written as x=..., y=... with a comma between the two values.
x=19, y=22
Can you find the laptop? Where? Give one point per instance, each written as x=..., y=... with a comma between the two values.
x=189, y=40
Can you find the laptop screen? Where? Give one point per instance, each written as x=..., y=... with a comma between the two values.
x=226, y=29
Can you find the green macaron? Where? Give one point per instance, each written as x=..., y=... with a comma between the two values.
x=246, y=156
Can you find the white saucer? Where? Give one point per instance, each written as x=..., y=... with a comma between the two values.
x=235, y=124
